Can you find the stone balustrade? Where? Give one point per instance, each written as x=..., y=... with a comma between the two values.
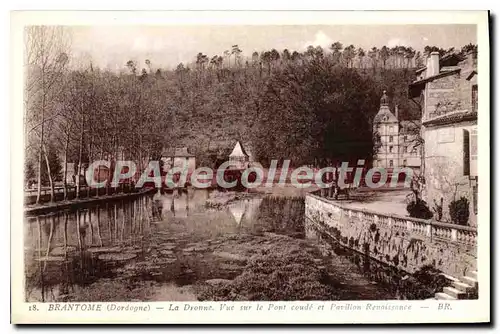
x=429, y=228
x=405, y=242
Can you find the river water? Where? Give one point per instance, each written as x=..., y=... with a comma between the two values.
x=128, y=251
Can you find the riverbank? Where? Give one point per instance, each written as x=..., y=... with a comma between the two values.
x=285, y=190
x=38, y=209
x=220, y=199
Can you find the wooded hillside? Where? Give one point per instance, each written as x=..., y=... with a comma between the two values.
x=308, y=107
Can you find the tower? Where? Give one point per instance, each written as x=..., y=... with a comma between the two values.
x=385, y=134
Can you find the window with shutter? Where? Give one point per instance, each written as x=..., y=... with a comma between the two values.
x=473, y=152
x=474, y=98
x=466, y=152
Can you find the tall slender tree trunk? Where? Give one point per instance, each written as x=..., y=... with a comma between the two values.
x=79, y=160
x=51, y=182
x=115, y=159
x=90, y=161
x=65, y=172
x=140, y=134
x=40, y=152
x=110, y=172
x=101, y=155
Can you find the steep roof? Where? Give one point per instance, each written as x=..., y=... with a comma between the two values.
x=181, y=152
x=451, y=59
x=418, y=70
x=452, y=118
x=448, y=65
x=385, y=115
x=238, y=151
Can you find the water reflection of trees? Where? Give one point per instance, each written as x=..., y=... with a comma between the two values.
x=61, y=249
x=282, y=215
x=68, y=250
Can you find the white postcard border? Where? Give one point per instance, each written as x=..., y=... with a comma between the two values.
x=461, y=311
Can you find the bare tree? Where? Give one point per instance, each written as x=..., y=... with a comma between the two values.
x=46, y=59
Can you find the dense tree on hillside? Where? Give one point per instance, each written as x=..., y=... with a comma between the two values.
x=315, y=114
x=312, y=107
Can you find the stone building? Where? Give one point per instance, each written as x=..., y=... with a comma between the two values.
x=178, y=157
x=446, y=90
x=396, y=141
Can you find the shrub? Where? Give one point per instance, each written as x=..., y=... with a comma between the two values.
x=459, y=211
x=419, y=209
x=438, y=209
x=424, y=283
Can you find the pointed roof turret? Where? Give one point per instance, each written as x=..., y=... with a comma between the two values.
x=384, y=114
x=384, y=100
x=238, y=151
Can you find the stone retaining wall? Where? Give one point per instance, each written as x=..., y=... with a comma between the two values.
x=406, y=243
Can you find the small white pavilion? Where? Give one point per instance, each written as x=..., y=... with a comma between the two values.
x=238, y=157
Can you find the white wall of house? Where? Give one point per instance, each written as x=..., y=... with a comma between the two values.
x=180, y=162
x=444, y=164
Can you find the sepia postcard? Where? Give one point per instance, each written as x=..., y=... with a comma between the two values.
x=260, y=167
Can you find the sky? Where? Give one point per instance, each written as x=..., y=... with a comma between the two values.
x=166, y=46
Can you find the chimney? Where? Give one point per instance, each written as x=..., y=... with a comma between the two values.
x=396, y=112
x=472, y=59
x=433, y=64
